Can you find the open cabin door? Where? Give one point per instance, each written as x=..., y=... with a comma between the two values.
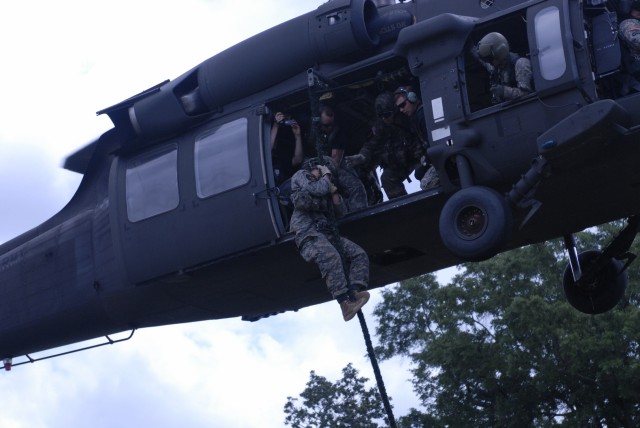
x=192, y=199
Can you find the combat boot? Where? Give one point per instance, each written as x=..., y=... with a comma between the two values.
x=351, y=306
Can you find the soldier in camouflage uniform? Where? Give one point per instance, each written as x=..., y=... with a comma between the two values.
x=509, y=74
x=314, y=195
x=393, y=147
x=408, y=103
x=629, y=31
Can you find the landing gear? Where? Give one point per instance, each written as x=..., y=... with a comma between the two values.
x=475, y=223
x=595, y=281
x=602, y=292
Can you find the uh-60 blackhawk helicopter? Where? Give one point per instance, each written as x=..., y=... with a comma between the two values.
x=178, y=218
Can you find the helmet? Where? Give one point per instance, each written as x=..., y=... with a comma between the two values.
x=493, y=45
x=311, y=163
x=384, y=103
x=314, y=162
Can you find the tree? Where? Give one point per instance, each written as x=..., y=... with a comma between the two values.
x=345, y=404
x=499, y=346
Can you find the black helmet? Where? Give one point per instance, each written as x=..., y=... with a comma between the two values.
x=384, y=103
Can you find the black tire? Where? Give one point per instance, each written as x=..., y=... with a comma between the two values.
x=604, y=293
x=475, y=223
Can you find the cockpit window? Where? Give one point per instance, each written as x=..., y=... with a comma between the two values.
x=222, y=158
x=152, y=184
x=549, y=42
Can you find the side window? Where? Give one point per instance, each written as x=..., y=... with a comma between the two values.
x=553, y=58
x=152, y=184
x=549, y=41
x=501, y=70
x=222, y=158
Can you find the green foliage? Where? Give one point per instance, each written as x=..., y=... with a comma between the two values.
x=499, y=346
x=345, y=404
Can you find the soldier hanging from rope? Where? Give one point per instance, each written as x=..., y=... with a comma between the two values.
x=343, y=264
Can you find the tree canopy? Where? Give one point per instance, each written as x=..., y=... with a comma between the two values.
x=345, y=404
x=500, y=346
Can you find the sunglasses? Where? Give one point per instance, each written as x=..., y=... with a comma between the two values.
x=385, y=114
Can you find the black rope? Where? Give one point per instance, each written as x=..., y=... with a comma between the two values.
x=376, y=370
x=321, y=149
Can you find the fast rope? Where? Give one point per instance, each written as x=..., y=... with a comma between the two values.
x=322, y=150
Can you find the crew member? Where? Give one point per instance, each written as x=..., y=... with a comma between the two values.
x=408, y=103
x=334, y=143
x=629, y=31
x=286, y=147
x=509, y=74
x=393, y=147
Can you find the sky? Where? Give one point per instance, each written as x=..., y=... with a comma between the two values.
x=63, y=61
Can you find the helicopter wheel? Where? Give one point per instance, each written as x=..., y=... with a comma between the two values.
x=600, y=295
x=475, y=223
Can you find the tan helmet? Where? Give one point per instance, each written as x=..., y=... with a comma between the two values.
x=494, y=46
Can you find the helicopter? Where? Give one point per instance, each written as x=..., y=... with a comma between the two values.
x=178, y=217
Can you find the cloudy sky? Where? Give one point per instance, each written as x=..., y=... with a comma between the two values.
x=61, y=62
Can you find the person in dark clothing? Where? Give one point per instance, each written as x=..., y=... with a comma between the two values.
x=334, y=143
x=286, y=147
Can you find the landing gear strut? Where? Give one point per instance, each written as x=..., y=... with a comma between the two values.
x=594, y=281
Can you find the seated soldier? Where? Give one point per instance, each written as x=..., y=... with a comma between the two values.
x=629, y=31
x=509, y=74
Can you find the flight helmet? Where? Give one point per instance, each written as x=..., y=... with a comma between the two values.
x=493, y=46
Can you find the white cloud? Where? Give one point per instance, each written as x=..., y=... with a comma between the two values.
x=226, y=373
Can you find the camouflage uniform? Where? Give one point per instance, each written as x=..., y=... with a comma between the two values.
x=396, y=150
x=315, y=238
x=347, y=179
x=630, y=34
x=514, y=75
x=351, y=187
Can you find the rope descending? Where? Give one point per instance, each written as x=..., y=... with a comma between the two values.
x=321, y=151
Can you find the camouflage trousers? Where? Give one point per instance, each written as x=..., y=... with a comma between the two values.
x=392, y=181
x=318, y=249
x=353, y=191
x=430, y=179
